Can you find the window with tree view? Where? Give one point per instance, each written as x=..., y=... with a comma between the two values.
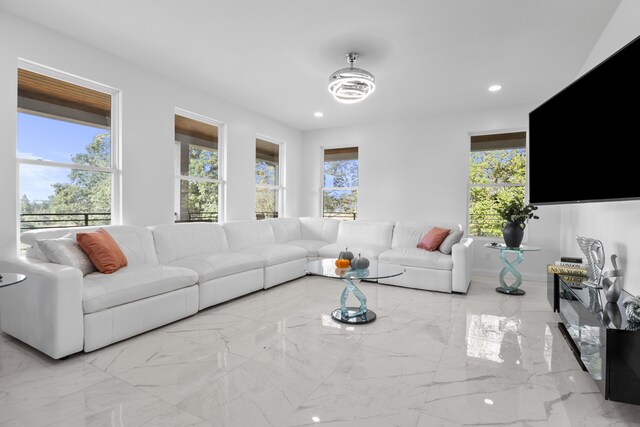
x=268, y=179
x=197, y=158
x=340, y=187
x=497, y=175
x=64, y=152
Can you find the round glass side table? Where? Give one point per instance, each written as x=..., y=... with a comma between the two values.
x=8, y=279
x=352, y=315
x=510, y=266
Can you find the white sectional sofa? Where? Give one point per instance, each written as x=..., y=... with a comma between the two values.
x=174, y=270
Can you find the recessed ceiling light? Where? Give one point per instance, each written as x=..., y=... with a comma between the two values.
x=315, y=419
x=494, y=88
x=318, y=114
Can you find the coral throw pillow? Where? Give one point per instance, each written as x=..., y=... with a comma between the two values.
x=102, y=250
x=432, y=240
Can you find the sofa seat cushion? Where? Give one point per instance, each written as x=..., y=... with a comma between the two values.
x=416, y=257
x=133, y=283
x=276, y=254
x=311, y=246
x=214, y=266
x=369, y=251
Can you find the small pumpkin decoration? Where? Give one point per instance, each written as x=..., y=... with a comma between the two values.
x=360, y=263
x=346, y=254
x=342, y=263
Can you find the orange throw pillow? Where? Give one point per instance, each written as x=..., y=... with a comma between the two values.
x=102, y=250
x=434, y=237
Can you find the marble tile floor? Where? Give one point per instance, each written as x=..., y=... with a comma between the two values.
x=275, y=358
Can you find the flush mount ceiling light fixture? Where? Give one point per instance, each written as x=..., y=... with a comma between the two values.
x=351, y=85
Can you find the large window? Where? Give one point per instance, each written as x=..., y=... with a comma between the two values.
x=269, y=188
x=340, y=186
x=66, y=150
x=198, y=171
x=497, y=175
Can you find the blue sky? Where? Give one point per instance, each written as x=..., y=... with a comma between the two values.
x=48, y=139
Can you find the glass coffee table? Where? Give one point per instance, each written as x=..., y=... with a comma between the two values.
x=352, y=315
x=510, y=266
x=9, y=279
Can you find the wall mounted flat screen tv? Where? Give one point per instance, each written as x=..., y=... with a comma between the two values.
x=582, y=141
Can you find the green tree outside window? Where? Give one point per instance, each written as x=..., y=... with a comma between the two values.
x=496, y=178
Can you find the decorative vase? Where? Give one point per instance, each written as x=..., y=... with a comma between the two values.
x=612, y=289
x=513, y=233
x=612, y=281
x=612, y=314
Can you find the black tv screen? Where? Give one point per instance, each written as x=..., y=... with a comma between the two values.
x=581, y=141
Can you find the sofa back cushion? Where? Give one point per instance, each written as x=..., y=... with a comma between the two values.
x=362, y=233
x=136, y=242
x=324, y=229
x=285, y=229
x=409, y=233
x=175, y=241
x=246, y=234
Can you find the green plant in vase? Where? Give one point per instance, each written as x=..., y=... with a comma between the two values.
x=516, y=216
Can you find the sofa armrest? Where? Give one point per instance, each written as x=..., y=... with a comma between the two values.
x=44, y=311
x=462, y=254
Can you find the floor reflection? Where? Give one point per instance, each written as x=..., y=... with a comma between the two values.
x=494, y=338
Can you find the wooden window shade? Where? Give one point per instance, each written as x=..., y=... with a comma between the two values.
x=336, y=154
x=55, y=98
x=500, y=141
x=194, y=132
x=267, y=151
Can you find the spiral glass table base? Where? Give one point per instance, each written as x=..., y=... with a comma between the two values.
x=510, y=267
x=353, y=315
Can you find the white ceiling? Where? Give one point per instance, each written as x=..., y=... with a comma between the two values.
x=275, y=56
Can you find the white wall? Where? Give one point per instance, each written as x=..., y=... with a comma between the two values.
x=617, y=224
x=148, y=102
x=418, y=170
